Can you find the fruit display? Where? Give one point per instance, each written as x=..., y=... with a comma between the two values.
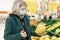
x=54, y=26
x=46, y=37
x=40, y=29
x=53, y=31
x=50, y=22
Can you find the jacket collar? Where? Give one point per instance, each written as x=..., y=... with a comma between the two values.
x=14, y=15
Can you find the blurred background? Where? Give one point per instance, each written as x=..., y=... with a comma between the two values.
x=44, y=17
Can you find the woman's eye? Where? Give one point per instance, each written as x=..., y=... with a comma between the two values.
x=25, y=8
x=22, y=9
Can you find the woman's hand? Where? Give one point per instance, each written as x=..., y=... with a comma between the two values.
x=23, y=34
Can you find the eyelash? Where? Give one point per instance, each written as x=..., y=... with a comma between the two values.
x=23, y=9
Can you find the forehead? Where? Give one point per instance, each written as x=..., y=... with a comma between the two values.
x=23, y=6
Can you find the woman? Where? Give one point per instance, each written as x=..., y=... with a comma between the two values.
x=17, y=25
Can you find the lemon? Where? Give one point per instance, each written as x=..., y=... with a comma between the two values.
x=40, y=29
x=42, y=38
x=34, y=38
x=54, y=38
x=47, y=37
x=59, y=38
x=54, y=26
x=57, y=31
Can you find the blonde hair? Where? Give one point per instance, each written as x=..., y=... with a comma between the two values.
x=23, y=3
x=16, y=5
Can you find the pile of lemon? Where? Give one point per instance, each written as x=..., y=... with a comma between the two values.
x=46, y=37
x=41, y=28
x=54, y=26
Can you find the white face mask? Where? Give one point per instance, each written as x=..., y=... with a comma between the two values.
x=22, y=12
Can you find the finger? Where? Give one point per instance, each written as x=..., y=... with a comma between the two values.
x=22, y=31
x=25, y=35
x=25, y=32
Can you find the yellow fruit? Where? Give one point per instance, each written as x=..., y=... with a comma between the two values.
x=47, y=37
x=57, y=31
x=54, y=26
x=34, y=38
x=50, y=28
x=42, y=38
x=40, y=29
x=33, y=22
x=59, y=38
x=54, y=38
